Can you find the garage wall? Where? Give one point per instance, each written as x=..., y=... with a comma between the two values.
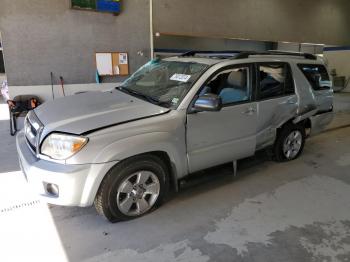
x=338, y=58
x=40, y=36
x=296, y=47
x=311, y=21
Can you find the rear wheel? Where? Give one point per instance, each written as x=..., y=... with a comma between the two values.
x=132, y=189
x=289, y=143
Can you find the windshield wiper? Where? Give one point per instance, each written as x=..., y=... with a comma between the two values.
x=140, y=95
x=166, y=104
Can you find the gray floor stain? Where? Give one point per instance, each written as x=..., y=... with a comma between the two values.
x=177, y=252
x=325, y=242
x=332, y=246
x=344, y=160
x=296, y=204
x=280, y=226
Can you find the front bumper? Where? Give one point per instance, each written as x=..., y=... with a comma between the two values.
x=77, y=184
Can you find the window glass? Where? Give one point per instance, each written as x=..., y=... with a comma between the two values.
x=275, y=80
x=317, y=76
x=162, y=82
x=232, y=85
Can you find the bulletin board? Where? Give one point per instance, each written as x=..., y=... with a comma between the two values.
x=112, y=64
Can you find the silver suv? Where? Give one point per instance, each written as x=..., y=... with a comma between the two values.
x=124, y=150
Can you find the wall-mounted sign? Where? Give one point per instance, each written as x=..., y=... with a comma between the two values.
x=112, y=6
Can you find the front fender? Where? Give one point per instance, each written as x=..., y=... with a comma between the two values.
x=144, y=143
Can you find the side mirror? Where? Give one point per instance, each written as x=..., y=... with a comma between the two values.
x=208, y=102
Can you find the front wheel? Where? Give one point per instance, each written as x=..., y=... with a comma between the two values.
x=132, y=189
x=289, y=143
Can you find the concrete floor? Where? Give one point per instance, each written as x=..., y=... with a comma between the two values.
x=296, y=211
x=342, y=102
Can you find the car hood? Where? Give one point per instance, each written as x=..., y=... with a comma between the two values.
x=90, y=111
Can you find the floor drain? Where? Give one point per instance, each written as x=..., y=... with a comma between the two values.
x=18, y=206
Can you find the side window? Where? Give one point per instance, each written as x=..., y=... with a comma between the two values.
x=232, y=85
x=317, y=76
x=275, y=80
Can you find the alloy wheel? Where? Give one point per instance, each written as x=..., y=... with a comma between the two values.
x=292, y=144
x=138, y=193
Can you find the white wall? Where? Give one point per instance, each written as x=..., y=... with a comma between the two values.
x=339, y=60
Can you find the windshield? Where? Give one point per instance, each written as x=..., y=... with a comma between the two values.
x=164, y=83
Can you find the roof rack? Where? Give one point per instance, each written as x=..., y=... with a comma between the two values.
x=288, y=53
x=221, y=54
x=247, y=54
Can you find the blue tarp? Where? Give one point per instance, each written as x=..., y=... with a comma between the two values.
x=113, y=6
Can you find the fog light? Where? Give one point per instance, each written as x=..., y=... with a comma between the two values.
x=52, y=189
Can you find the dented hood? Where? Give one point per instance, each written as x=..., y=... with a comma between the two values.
x=90, y=111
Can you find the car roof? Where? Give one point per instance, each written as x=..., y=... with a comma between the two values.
x=212, y=57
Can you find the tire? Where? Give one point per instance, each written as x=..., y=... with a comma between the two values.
x=289, y=143
x=125, y=190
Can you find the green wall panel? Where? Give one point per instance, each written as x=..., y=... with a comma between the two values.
x=85, y=4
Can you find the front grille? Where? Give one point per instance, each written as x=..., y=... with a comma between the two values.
x=32, y=128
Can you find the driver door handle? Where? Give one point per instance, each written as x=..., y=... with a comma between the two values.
x=249, y=111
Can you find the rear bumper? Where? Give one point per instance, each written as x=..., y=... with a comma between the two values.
x=77, y=184
x=319, y=122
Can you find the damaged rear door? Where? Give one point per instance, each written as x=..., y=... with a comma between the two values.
x=277, y=101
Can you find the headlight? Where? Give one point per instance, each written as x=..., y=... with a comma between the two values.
x=62, y=146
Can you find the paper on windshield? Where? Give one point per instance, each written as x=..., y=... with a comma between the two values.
x=180, y=77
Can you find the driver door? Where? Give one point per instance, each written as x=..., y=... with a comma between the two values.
x=214, y=138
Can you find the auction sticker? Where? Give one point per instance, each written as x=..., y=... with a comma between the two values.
x=175, y=101
x=180, y=77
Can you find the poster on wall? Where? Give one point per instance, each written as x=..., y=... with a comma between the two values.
x=111, y=6
x=123, y=58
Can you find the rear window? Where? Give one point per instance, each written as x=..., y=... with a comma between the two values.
x=317, y=76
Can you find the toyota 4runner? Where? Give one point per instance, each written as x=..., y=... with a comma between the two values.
x=123, y=150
